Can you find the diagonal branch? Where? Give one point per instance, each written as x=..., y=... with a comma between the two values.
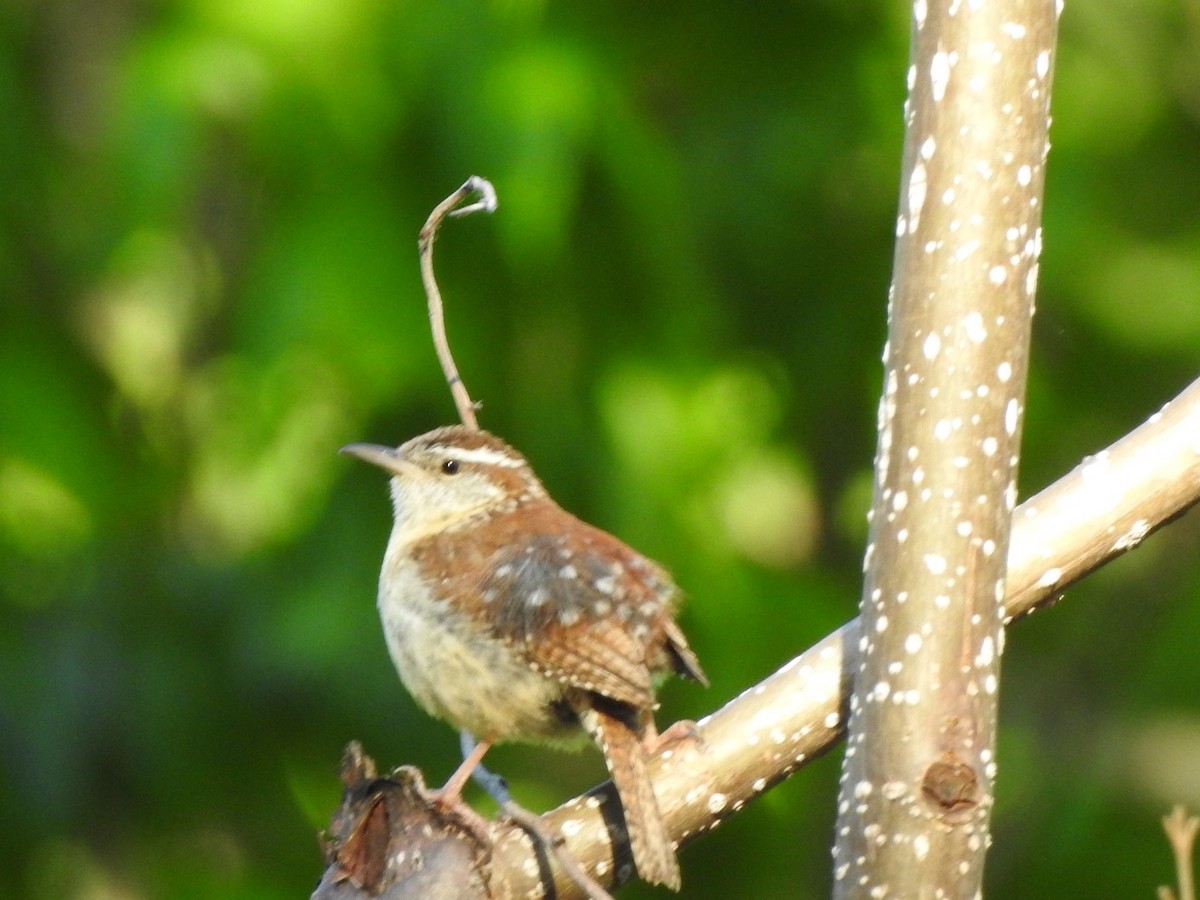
x=1102, y=509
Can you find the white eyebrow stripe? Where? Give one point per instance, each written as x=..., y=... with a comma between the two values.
x=479, y=455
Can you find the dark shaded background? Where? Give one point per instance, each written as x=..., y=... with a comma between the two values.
x=208, y=220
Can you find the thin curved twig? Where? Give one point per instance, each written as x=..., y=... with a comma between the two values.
x=497, y=788
x=486, y=203
x=541, y=832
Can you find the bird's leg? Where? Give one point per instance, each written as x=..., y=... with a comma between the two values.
x=473, y=753
x=495, y=785
x=449, y=799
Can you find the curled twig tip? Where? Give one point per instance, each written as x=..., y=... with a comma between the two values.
x=487, y=202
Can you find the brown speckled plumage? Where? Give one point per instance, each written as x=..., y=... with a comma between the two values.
x=512, y=619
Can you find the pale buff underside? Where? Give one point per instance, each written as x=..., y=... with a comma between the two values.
x=458, y=673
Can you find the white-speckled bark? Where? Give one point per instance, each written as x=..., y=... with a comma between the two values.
x=916, y=788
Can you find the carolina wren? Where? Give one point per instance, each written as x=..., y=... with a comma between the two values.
x=513, y=620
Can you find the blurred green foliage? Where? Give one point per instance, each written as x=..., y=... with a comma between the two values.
x=208, y=217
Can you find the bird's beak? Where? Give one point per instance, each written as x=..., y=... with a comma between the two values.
x=377, y=455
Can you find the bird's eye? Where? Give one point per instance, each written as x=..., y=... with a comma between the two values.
x=450, y=467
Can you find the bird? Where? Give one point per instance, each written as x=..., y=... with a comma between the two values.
x=511, y=619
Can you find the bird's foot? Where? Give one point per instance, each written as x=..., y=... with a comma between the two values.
x=680, y=737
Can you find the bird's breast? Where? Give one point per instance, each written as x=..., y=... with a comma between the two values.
x=459, y=670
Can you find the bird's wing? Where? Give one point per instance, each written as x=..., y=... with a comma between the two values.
x=589, y=611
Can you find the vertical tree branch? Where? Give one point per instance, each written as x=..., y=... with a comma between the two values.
x=916, y=788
